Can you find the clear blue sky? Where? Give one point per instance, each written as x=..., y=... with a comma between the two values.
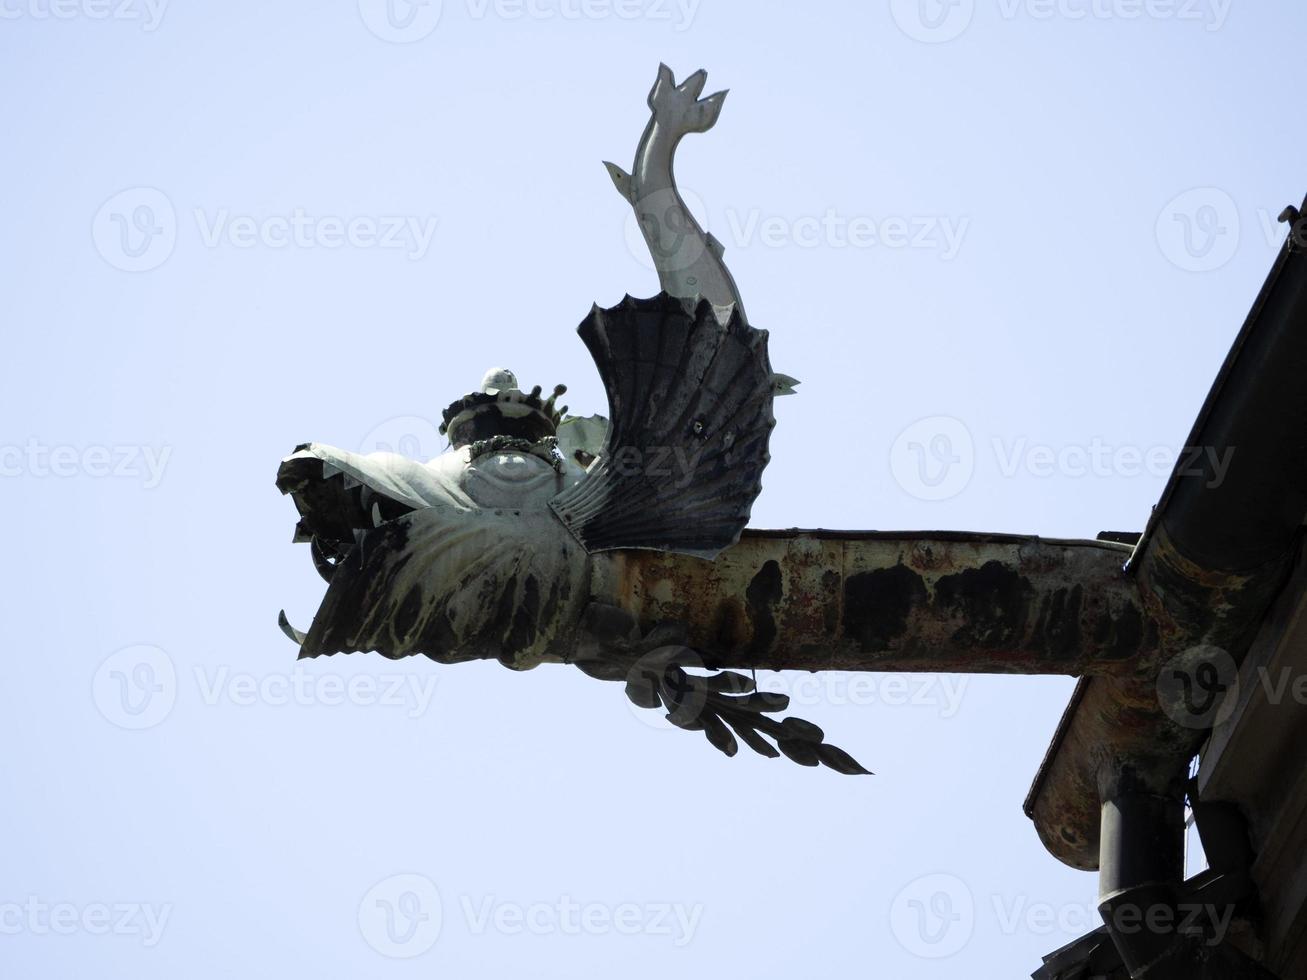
x=234, y=227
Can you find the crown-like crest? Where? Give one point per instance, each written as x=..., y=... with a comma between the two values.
x=500, y=408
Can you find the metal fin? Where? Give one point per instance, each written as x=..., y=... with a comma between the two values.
x=783, y=384
x=690, y=401
x=621, y=179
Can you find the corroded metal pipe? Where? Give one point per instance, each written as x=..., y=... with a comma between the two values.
x=1215, y=554
x=849, y=600
x=1116, y=723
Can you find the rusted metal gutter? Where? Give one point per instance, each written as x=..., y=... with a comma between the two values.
x=1212, y=559
x=904, y=601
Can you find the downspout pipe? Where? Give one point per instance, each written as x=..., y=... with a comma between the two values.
x=1141, y=868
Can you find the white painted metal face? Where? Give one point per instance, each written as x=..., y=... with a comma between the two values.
x=516, y=480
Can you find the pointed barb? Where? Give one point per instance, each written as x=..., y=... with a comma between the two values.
x=783, y=384
x=296, y=636
x=320, y=562
x=621, y=180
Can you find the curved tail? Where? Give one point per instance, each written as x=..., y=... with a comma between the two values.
x=688, y=259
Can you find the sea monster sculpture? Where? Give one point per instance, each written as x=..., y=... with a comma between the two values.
x=501, y=546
